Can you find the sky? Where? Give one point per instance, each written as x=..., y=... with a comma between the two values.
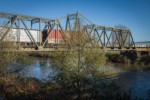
x=134, y=14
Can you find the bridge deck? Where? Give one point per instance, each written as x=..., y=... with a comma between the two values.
x=138, y=49
x=143, y=49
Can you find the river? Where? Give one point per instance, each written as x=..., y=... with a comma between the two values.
x=134, y=76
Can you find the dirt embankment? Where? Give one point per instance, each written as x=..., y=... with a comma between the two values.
x=129, y=59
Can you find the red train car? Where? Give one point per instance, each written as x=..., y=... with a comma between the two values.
x=55, y=36
x=58, y=37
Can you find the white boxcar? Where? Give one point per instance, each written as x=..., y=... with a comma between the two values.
x=24, y=36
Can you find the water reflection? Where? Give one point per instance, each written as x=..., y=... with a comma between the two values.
x=41, y=69
x=132, y=67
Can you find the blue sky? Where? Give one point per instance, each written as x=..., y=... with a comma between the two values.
x=134, y=14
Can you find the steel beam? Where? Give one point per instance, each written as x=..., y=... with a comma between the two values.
x=29, y=33
x=9, y=28
x=48, y=36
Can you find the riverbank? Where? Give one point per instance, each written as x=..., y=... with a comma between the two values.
x=87, y=81
x=74, y=80
x=44, y=54
x=13, y=87
x=115, y=63
x=112, y=57
x=116, y=57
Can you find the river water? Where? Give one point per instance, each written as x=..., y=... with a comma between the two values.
x=134, y=77
x=40, y=69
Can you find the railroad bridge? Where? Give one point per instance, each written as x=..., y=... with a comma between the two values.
x=32, y=33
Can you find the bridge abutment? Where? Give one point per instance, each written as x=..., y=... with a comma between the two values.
x=132, y=55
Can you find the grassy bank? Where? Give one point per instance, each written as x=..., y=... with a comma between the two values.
x=79, y=77
x=42, y=54
x=13, y=87
x=116, y=57
x=144, y=60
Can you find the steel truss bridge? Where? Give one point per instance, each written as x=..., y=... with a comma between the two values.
x=81, y=31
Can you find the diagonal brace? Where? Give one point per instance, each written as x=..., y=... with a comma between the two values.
x=29, y=32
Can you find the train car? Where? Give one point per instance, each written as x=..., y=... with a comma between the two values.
x=55, y=37
x=59, y=37
x=23, y=35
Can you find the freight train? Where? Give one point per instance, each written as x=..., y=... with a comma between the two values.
x=56, y=36
x=22, y=36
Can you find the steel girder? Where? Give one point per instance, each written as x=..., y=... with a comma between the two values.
x=109, y=37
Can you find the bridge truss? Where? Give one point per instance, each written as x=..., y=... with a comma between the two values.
x=77, y=26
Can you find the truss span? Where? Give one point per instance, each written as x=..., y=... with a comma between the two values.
x=63, y=32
